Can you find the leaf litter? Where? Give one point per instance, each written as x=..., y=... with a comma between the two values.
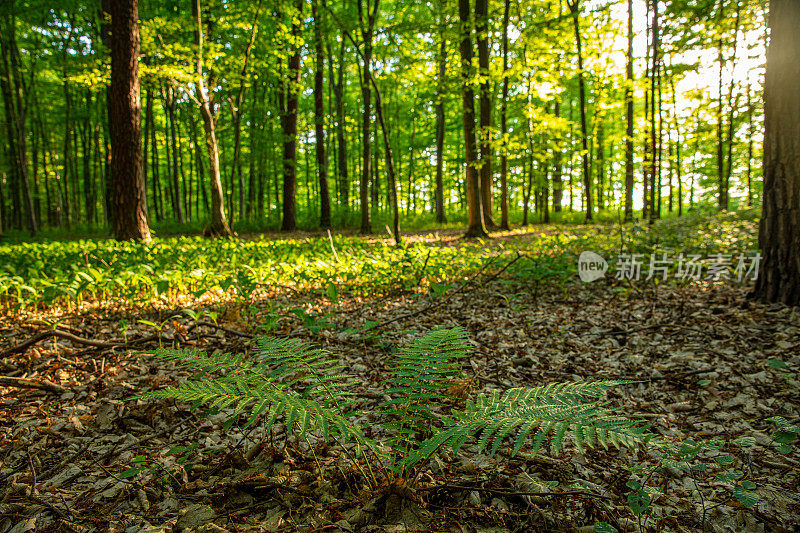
x=707, y=363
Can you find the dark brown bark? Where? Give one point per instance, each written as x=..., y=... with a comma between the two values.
x=476, y=227
x=290, y=130
x=124, y=113
x=779, y=232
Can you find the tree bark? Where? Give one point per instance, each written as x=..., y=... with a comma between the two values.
x=341, y=139
x=574, y=7
x=236, y=112
x=485, y=131
x=124, y=113
x=476, y=227
x=779, y=232
x=14, y=90
x=440, y=123
x=629, y=119
x=319, y=122
x=290, y=129
x=367, y=29
x=219, y=223
x=504, y=126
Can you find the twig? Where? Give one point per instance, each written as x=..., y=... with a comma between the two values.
x=441, y=301
x=21, y=347
x=27, y=383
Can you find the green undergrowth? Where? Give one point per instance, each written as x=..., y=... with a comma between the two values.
x=36, y=275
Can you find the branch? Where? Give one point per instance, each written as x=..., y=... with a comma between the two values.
x=27, y=383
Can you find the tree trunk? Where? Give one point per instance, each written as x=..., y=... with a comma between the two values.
x=219, y=223
x=503, y=126
x=485, y=131
x=290, y=130
x=574, y=7
x=341, y=140
x=440, y=124
x=14, y=91
x=124, y=114
x=629, y=119
x=476, y=227
x=367, y=28
x=319, y=122
x=779, y=232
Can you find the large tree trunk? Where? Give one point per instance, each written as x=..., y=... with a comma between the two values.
x=476, y=227
x=219, y=222
x=629, y=119
x=779, y=232
x=124, y=113
x=574, y=7
x=319, y=122
x=485, y=132
x=290, y=130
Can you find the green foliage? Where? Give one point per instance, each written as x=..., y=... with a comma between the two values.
x=550, y=412
x=286, y=380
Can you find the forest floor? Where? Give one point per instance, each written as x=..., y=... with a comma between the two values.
x=709, y=364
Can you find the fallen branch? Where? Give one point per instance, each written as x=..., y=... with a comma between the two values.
x=21, y=347
x=27, y=383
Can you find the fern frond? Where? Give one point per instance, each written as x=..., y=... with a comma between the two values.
x=297, y=364
x=552, y=412
x=421, y=374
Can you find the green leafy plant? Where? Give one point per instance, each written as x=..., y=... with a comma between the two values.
x=286, y=380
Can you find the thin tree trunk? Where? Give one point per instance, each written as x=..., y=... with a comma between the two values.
x=440, y=122
x=14, y=90
x=574, y=6
x=341, y=139
x=367, y=28
x=485, y=130
x=476, y=227
x=219, y=223
x=319, y=122
x=290, y=131
x=629, y=119
x=503, y=126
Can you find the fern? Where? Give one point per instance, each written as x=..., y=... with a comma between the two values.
x=421, y=374
x=304, y=387
x=551, y=412
x=267, y=386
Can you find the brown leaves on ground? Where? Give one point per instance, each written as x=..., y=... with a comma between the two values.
x=699, y=354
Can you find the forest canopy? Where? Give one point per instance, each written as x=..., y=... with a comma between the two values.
x=318, y=95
